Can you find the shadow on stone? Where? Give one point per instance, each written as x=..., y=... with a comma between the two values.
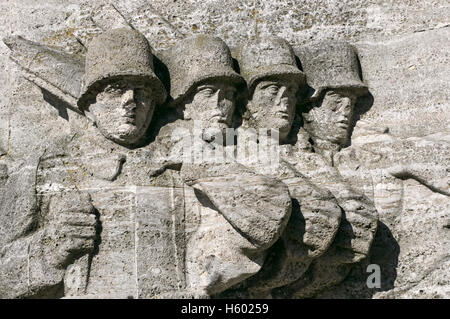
x=384, y=253
x=57, y=103
x=363, y=105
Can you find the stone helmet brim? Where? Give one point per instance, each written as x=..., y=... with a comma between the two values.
x=197, y=59
x=88, y=92
x=268, y=57
x=224, y=75
x=115, y=54
x=357, y=88
x=330, y=65
x=279, y=71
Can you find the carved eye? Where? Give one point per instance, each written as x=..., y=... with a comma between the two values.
x=207, y=92
x=333, y=94
x=272, y=89
x=113, y=90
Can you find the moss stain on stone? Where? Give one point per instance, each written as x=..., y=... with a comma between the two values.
x=59, y=36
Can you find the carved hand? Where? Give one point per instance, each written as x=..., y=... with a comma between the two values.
x=358, y=226
x=321, y=214
x=72, y=229
x=359, y=222
x=256, y=205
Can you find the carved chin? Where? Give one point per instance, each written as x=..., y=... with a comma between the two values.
x=128, y=130
x=339, y=137
x=283, y=126
x=216, y=124
x=342, y=132
x=126, y=133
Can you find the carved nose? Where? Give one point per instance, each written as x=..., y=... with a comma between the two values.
x=282, y=97
x=346, y=106
x=128, y=98
x=342, y=118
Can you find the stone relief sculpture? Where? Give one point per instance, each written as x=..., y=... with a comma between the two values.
x=120, y=89
x=364, y=168
x=334, y=86
x=119, y=99
x=134, y=244
x=131, y=206
x=332, y=76
x=273, y=79
x=269, y=67
x=228, y=237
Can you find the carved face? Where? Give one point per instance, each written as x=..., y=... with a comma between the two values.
x=273, y=105
x=213, y=104
x=123, y=110
x=330, y=120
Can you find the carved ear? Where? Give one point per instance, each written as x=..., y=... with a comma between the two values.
x=55, y=71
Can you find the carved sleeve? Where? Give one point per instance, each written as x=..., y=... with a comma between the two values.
x=257, y=206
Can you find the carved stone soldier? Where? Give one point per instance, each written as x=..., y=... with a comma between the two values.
x=335, y=85
x=99, y=167
x=233, y=215
x=273, y=79
x=120, y=88
x=332, y=74
x=333, y=77
x=136, y=242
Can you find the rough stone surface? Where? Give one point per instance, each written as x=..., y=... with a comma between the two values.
x=101, y=201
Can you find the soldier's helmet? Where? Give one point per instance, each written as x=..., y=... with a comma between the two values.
x=270, y=56
x=330, y=65
x=116, y=54
x=195, y=60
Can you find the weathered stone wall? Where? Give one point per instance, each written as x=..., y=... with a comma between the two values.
x=404, y=54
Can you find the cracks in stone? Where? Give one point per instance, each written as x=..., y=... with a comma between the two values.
x=408, y=175
x=38, y=199
x=430, y=29
x=179, y=264
x=97, y=242
x=9, y=86
x=170, y=25
x=123, y=17
x=166, y=166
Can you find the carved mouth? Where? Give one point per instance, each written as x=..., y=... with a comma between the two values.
x=218, y=119
x=342, y=124
x=129, y=118
x=283, y=115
